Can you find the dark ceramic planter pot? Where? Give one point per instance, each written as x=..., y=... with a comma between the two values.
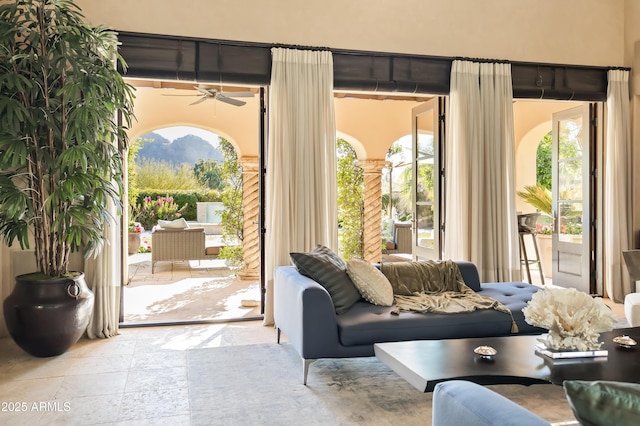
x=46, y=316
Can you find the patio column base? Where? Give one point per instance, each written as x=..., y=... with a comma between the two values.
x=248, y=275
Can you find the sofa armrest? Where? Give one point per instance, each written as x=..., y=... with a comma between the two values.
x=304, y=312
x=458, y=402
x=470, y=275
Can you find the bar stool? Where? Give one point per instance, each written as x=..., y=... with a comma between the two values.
x=527, y=226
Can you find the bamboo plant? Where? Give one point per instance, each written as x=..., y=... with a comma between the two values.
x=64, y=111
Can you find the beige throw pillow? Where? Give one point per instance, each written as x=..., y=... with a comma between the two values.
x=370, y=282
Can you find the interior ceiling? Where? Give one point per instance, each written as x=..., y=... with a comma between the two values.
x=189, y=85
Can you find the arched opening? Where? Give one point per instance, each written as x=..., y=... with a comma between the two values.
x=185, y=190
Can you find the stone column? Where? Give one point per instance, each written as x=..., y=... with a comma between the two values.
x=251, y=212
x=372, y=220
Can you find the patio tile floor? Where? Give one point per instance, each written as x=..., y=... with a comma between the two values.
x=186, y=291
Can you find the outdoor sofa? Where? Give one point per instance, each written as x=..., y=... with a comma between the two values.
x=173, y=245
x=304, y=311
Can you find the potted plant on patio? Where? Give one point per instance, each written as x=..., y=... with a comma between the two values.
x=135, y=237
x=540, y=198
x=60, y=161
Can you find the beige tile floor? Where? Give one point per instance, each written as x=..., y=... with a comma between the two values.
x=136, y=378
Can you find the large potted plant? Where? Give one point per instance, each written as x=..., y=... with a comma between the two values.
x=64, y=110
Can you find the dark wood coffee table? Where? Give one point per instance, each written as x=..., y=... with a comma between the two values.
x=425, y=363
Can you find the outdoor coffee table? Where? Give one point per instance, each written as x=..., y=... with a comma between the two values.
x=424, y=363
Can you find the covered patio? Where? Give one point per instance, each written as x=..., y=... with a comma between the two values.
x=186, y=291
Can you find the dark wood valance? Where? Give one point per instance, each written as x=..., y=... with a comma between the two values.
x=227, y=62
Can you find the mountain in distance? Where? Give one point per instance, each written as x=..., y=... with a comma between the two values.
x=186, y=149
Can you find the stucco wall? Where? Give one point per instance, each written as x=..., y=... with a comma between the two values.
x=568, y=31
x=588, y=32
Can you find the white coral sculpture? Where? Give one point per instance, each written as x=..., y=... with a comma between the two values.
x=574, y=319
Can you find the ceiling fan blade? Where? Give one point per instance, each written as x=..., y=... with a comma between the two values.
x=237, y=94
x=205, y=91
x=202, y=99
x=231, y=101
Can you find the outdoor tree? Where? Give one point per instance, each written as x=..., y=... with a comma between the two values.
x=232, y=219
x=401, y=175
x=209, y=174
x=133, y=189
x=570, y=157
x=543, y=161
x=569, y=149
x=350, y=201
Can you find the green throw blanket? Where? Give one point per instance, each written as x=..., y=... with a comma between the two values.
x=436, y=286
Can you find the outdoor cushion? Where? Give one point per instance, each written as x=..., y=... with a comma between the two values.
x=329, y=270
x=212, y=251
x=180, y=223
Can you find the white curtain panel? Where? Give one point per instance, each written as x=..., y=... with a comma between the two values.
x=101, y=275
x=301, y=160
x=481, y=216
x=463, y=136
x=618, y=186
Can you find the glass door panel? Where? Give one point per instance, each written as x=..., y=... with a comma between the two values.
x=425, y=237
x=426, y=183
x=571, y=198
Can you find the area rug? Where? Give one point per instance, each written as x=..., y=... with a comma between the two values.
x=262, y=385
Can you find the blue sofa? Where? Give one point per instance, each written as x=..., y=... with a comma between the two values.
x=304, y=312
x=457, y=402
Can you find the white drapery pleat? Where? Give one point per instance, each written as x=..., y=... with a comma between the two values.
x=301, y=160
x=481, y=215
x=618, y=186
x=101, y=275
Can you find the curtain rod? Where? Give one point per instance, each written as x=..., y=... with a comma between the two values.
x=482, y=60
x=300, y=47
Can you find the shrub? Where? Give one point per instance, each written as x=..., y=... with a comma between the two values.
x=150, y=211
x=165, y=176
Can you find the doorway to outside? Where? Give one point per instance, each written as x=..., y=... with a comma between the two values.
x=192, y=150
x=556, y=177
x=576, y=150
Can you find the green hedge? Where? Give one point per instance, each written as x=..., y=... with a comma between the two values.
x=182, y=197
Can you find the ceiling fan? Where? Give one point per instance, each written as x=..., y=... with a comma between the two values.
x=227, y=97
x=215, y=94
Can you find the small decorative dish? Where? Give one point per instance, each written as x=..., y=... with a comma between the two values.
x=486, y=352
x=625, y=342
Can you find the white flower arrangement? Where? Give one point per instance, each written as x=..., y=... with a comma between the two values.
x=574, y=319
